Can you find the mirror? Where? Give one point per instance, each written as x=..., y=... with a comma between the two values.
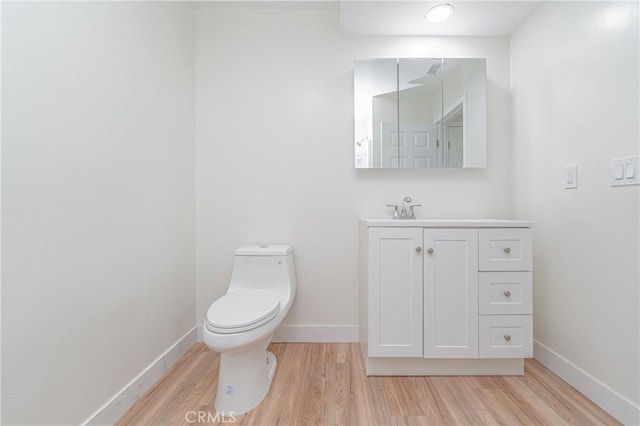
x=420, y=113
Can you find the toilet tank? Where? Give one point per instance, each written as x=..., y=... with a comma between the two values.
x=265, y=267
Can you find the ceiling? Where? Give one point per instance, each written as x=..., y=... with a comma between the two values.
x=471, y=18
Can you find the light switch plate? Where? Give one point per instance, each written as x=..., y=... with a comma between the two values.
x=624, y=171
x=570, y=176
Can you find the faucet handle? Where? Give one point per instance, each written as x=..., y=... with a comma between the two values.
x=396, y=213
x=411, y=214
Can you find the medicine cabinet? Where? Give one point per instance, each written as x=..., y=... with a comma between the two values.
x=420, y=113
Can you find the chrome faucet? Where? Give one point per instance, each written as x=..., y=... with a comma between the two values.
x=403, y=211
x=406, y=211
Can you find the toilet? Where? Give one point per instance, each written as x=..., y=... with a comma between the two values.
x=241, y=323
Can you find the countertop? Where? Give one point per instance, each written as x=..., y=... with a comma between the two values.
x=448, y=223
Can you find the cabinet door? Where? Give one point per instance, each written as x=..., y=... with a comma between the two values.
x=395, y=292
x=451, y=293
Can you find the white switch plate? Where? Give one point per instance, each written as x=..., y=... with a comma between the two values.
x=570, y=176
x=624, y=171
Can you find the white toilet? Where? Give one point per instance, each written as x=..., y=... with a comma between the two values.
x=241, y=323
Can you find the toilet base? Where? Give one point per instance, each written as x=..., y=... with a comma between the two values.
x=244, y=379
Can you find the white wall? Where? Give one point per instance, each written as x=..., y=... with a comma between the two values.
x=274, y=129
x=575, y=86
x=98, y=200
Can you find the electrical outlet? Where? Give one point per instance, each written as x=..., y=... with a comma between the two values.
x=570, y=176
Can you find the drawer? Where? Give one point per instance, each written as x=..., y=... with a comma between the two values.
x=505, y=249
x=506, y=336
x=504, y=293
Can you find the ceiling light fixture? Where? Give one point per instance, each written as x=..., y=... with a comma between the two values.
x=439, y=13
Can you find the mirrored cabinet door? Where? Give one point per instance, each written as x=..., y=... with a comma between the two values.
x=375, y=102
x=419, y=108
x=464, y=121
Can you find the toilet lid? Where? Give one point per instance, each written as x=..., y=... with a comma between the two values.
x=242, y=311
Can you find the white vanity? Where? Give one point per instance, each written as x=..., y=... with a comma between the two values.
x=445, y=297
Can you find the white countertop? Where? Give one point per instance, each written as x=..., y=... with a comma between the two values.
x=448, y=223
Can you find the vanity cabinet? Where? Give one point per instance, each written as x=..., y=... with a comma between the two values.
x=445, y=297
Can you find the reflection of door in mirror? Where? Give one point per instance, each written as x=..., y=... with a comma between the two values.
x=409, y=146
x=454, y=136
x=454, y=145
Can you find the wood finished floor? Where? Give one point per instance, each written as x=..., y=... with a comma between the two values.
x=325, y=384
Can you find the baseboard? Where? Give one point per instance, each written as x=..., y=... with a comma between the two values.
x=115, y=408
x=311, y=334
x=609, y=400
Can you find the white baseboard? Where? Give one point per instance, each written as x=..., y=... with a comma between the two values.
x=609, y=400
x=115, y=408
x=311, y=334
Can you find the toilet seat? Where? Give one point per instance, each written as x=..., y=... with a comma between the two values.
x=242, y=311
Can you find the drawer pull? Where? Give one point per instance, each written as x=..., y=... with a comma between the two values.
x=507, y=293
x=507, y=337
x=418, y=249
x=430, y=251
x=507, y=250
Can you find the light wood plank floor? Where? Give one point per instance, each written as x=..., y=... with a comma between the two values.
x=325, y=384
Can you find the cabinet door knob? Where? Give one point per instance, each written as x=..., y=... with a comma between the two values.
x=430, y=251
x=507, y=293
x=507, y=250
x=418, y=249
x=507, y=337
